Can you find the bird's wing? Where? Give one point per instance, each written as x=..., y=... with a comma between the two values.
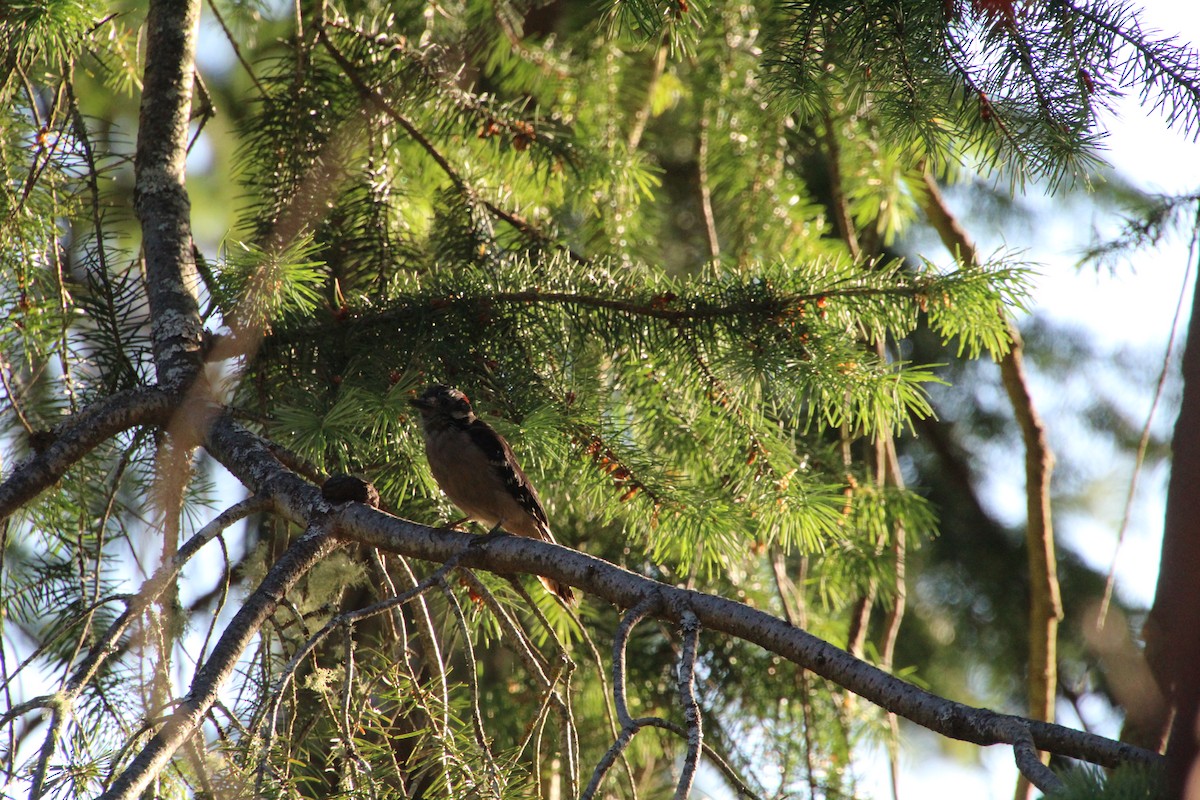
x=504, y=462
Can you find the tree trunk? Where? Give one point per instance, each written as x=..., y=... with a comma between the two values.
x=1173, y=627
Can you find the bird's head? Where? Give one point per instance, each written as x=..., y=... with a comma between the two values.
x=441, y=402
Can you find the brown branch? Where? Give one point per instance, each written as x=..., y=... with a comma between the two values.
x=615, y=585
x=75, y=437
x=1172, y=629
x=840, y=205
x=1045, y=603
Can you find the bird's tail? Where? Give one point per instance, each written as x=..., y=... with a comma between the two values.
x=561, y=590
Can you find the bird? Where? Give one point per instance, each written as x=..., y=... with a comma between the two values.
x=476, y=468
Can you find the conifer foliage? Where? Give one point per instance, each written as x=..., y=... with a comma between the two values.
x=652, y=243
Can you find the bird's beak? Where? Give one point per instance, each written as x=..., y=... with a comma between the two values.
x=420, y=402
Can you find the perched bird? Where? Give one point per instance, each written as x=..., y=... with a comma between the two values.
x=479, y=473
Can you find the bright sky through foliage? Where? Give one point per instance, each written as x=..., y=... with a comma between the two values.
x=1133, y=306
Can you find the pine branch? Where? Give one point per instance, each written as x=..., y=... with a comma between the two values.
x=626, y=589
x=381, y=103
x=1163, y=59
x=246, y=456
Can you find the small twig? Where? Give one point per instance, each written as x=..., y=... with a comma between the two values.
x=222, y=596
x=1029, y=761
x=533, y=660
x=237, y=50
x=642, y=115
x=13, y=400
x=468, y=653
x=629, y=726
x=706, y=206
x=1144, y=440
x=569, y=734
x=535, y=663
x=353, y=759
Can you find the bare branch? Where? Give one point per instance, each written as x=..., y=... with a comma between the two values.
x=629, y=726
x=1029, y=760
x=77, y=436
x=248, y=458
x=626, y=589
x=690, y=626
x=315, y=545
x=640, y=611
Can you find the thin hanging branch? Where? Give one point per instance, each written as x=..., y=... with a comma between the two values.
x=307, y=551
x=468, y=652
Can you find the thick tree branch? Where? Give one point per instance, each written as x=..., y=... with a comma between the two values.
x=625, y=589
x=160, y=194
x=78, y=435
x=248, y=457
x=252, y=461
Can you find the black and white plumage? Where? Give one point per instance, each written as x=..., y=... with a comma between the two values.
x=478, y=471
